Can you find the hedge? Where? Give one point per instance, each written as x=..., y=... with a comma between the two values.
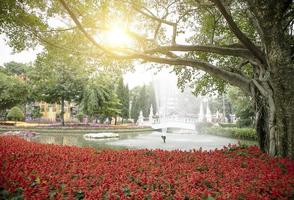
x=240, y=133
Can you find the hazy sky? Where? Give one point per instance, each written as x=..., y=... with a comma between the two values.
x=6, y=54
x=139, y=77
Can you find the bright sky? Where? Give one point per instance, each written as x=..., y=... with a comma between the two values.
x=6, y=54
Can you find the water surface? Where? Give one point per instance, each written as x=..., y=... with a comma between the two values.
x=143, y=140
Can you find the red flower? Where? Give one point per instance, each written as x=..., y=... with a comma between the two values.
x=38, y=171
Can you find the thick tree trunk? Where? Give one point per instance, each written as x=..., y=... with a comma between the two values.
x=275, y=120
x=274, y=106
x=275, y=116
x=62, y=112
x=283, y=98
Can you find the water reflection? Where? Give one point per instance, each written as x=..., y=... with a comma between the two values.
x=150, y=140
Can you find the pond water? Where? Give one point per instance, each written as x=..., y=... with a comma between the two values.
x=143, y=140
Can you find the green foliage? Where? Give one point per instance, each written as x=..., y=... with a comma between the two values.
x=80, y=116
x=36, y=113
x=16, y=195
x=56, y=76
x=122, y=92
x=219, y=102
x=240, y=133
x=227, y=125
x=99, y=97
x=15, y=114
x=244, y=123
x=111, y=108
x=242, y=106
x=142, y=99
x=14, y=68
x=13, y=91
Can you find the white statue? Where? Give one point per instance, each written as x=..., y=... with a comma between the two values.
x=151, y=115
x=141, y=118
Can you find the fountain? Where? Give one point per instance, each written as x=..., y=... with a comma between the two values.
x=176, y=109
x=201, y=113
x=208, y=113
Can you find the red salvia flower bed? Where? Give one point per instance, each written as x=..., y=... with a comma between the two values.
x=38, y=171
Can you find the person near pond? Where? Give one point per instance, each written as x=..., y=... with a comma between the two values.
x=163, y=134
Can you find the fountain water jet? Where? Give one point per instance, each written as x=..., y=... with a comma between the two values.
x=208, y=113
x=175, y=109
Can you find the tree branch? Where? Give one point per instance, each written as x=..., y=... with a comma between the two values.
x=238, y=33
x=153, y=17
x=161, y=21
x=233, y=78
x=79, y=25
x=238, y=52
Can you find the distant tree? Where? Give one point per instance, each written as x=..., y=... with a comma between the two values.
x=242, y=106
x=57, y=78
x=15, y=114
x=13, y=91
x=142, y=98
x=36, y=113
x=15, y=68
x=151, y=100
x=221, y=102
x=111, y=108
x=96, y=94
x=135, y=107
x=122, y=92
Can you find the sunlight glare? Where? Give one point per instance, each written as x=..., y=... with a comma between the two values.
x=117, y=36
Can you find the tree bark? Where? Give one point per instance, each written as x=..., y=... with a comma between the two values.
x=283, y=98
x=62, y=111
x=275, y=117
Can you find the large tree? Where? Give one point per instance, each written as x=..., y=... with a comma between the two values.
x=248, y=44
x=56, y=78
x=99, y=98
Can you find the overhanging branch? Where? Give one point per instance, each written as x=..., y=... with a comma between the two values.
x=238, y=52
x=233, y=78
x=79, y=25
x=238, y=33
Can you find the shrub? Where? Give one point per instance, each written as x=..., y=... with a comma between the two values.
x=15, y=114
x=240, y=133
x=36, y=113
x=80, y=116
x=244, y=123
x=225, y=125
